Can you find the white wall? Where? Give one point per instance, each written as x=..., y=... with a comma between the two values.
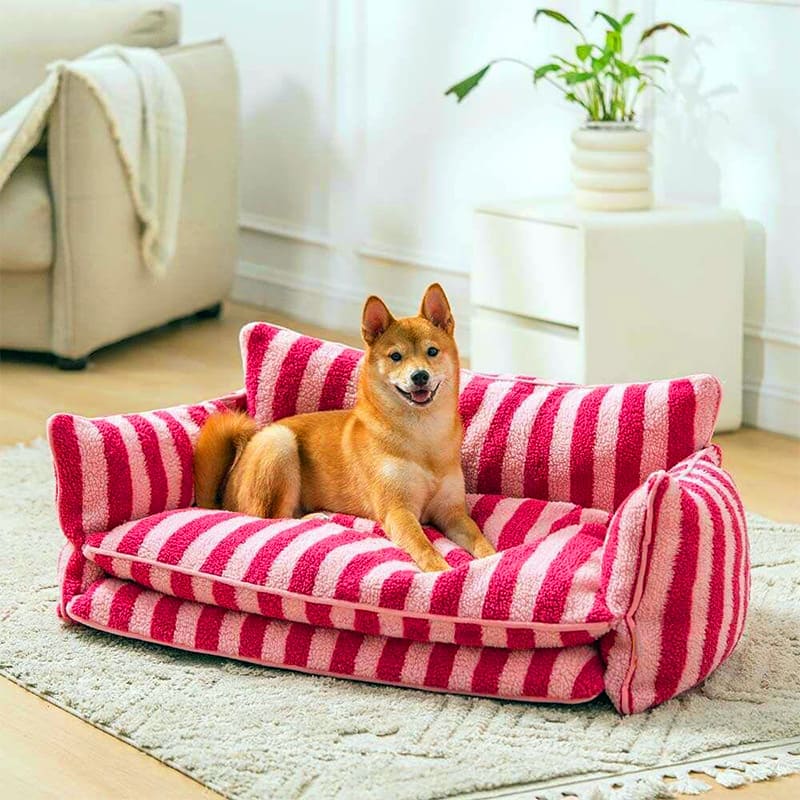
x=729, y=133
x=359, y=176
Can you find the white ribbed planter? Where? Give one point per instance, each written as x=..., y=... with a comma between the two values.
x=611, y=167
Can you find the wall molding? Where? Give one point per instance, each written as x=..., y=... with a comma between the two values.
x=773, y=391
x=773, y=408
x=279, y=278
x=282, y=229
x=768, y=333
x=411, y=258
x=336, y=304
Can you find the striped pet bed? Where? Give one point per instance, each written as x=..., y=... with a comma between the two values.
x=622, y=561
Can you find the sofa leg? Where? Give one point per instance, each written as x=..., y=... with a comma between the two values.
x=212, y=312
x=71, y=364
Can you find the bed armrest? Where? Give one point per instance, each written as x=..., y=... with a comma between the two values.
x=111, y=470
x=676, y=575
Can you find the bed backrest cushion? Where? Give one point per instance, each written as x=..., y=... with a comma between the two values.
x=523, y=437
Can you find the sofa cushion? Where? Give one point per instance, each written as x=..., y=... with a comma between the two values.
x=26, y=219
x=36, y=32
x=523, y=437
x=539, y=590
x=569, y=675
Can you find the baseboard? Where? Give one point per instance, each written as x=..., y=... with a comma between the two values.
x=772, y=408
x=771, y=378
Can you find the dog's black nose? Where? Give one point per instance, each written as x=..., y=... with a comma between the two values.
x=420, y=377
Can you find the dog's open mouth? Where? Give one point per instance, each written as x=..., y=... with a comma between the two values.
x=419, y=397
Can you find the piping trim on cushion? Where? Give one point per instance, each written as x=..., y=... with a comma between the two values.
x=626, y=692
x=324, y=673
x=598, y=628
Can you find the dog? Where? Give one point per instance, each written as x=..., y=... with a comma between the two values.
x=394, y=457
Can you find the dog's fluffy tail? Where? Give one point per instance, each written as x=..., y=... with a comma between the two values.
x=222, y=439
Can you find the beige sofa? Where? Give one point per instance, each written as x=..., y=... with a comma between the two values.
x=71, y=276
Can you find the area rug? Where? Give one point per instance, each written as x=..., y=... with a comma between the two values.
x=251, y=732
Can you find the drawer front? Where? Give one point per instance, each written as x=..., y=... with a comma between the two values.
x=527, y=268
x=504, y=343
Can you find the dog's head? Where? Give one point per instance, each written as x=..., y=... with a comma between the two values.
x=411, y=361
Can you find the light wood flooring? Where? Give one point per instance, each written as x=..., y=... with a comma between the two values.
x=46, y=752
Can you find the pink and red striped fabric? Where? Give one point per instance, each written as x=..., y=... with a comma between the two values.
x=590, y=445
x=611, y=515
x=540, y=590
x=676, y=571
x=111, y=470
x=567, y=675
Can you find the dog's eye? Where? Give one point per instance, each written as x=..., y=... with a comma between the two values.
x=433, y=351
x=395, y=356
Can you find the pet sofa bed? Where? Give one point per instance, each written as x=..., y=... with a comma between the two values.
x=622, y=563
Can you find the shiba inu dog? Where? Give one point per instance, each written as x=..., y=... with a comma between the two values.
x=395, y=456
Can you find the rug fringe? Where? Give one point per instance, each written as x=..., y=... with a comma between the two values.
x=670, y=781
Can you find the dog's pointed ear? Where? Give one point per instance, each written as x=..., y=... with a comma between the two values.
x=375, y=319
x=436, y=309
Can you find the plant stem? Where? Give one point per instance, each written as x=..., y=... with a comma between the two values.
x=565, y=92
x=514, y=61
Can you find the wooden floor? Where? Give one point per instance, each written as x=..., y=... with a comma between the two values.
x=46, y=752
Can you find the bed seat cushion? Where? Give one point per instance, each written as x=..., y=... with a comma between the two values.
x=540, y=590
x=568, y=675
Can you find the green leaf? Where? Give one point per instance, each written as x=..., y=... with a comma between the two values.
x=609, y=19
x=660, y=59
x=662, y=26
x=578, y=77
x=613, y=42
x=583, y=51
x=627, y=70
x=540, y=72
x=462, y=89
x=627, y=18
x=599, y=64
x=557, y=16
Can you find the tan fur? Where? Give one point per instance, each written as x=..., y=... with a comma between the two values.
x=386, y=459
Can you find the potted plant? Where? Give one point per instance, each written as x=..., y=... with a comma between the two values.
x=611, y=162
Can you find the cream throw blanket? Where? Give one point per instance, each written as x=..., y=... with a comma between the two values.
x=143, y=103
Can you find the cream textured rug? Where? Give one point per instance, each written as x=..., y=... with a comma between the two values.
x=251, y=732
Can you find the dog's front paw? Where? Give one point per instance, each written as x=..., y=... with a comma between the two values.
x=432, y=562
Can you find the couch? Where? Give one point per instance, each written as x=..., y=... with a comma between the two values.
x=622, y=563
x=71, y=277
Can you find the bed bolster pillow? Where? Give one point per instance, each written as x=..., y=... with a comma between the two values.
x=111, y=470
x=676, y=573
x=523, y=437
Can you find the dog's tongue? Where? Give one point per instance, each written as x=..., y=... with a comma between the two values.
x=421, y=395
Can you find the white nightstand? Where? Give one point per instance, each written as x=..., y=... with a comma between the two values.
x=600, y=297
